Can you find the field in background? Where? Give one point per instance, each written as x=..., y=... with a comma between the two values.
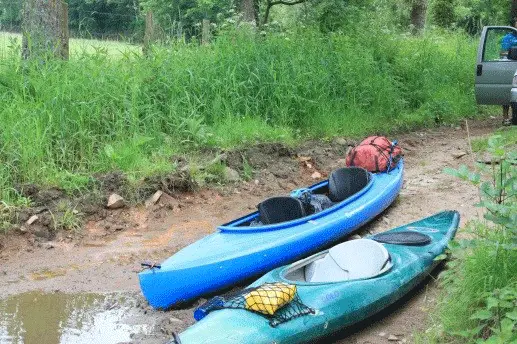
x=64, y=121
x=77, y=46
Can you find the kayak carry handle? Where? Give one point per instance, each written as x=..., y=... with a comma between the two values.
x=213, y=304
x=151, y=265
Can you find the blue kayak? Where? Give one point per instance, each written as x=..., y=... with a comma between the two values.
x=282, y=231
x=335, y=288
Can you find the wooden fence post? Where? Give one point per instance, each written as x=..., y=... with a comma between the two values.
x=149, y=32
x=205, y=33
x=45, y=29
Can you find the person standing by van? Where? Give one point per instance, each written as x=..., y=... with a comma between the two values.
x=508, y=41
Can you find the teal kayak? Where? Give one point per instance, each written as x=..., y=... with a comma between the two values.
x=341, y=286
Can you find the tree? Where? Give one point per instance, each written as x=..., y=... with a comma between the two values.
x=183, y=17
x=418, y=15
x=472, y=15
x=250, y=11
x=10, y=15
x=443, y=13
x=45, y=29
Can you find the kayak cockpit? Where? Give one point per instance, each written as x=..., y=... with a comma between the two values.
x=343, y=186
x=351, y=260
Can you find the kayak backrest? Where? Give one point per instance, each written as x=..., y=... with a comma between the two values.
x=355, y=259
x=280, y=209
x=346, y=181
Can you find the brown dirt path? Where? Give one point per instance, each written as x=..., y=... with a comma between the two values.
x=107, y=258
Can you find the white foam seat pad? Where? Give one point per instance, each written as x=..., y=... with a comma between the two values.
x=325, y=270
x=355, y=259
x=362, y=258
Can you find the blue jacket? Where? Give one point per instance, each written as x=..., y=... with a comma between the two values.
x=508, y=41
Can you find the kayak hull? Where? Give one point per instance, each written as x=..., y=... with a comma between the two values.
x=236, y=253
x=337, y=305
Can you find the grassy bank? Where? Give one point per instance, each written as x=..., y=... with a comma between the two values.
x=65, y=121
x=479, y=298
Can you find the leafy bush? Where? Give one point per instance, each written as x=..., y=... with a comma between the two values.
x=479, y=303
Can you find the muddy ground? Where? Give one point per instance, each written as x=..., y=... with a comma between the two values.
x=106, y=256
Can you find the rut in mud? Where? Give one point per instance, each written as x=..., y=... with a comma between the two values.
x=112, y=244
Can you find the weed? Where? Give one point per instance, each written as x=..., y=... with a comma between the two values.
x=247, y=170
x=66, y=217
x=480, y=286
x=6, y=217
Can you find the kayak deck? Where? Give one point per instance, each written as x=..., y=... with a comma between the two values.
x=337, y=304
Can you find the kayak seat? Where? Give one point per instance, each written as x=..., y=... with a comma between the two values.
x=347, y=181
x=355, y=259
x=280, y=209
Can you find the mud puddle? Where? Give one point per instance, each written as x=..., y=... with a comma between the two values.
x=52, y=318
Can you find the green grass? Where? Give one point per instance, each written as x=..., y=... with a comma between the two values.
x=112, y=109
x=78, y=46
x=480, y=270
x=509, y=135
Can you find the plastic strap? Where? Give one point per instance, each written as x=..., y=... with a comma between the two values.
x=390, y=160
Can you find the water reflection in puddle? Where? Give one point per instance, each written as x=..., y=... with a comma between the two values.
x=39, y=318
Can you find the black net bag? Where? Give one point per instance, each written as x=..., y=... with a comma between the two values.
x=278, y=302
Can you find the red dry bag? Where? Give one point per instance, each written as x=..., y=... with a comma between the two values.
x=375, y=154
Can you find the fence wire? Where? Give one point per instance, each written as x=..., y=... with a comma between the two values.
x=89, y=31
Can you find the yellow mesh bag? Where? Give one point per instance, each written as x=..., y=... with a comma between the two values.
x=268, y=298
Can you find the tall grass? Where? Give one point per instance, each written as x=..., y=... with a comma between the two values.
x=479, y=300
x=485, y=267
x=64, y=121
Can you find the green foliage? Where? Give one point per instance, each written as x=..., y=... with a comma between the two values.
x=63, y=122
x=182, y=18
x=101, y=18
x=498, y=194
x=442, y=12
x=498, y=317
x=10, y=14
x=66, y=218
x=470, y=15
x=9, y=207
x=247, y=170
x=508, y=134
x=480, y=287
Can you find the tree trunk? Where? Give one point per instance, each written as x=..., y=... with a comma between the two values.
x=250, y=11
x=149, y=33
x=418, y=15
x=45, y=29
x=513, y=12
x=205, y=32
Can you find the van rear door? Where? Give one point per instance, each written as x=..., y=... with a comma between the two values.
x=494, y=71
